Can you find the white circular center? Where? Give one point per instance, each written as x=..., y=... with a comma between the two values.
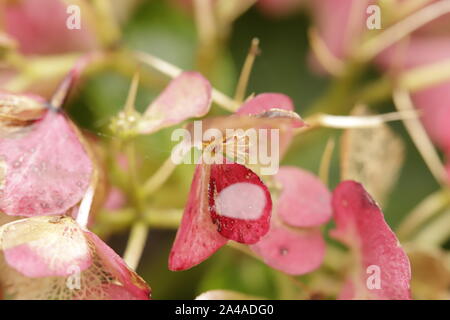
x=241, y=201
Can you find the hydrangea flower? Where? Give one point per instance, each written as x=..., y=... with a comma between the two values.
x=230, y=202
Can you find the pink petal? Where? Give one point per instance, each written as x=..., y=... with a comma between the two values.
x=187, y=96
x=333, y=20
x=418, y=51
x=266, y=101
x=239, y=202
x=197, y=237
x=45, y=246
x=360, y=225
x=435, y=106
x=293, y=252
x=39, y=32
x=47, y=170
x=304, y=199
x=128, y=285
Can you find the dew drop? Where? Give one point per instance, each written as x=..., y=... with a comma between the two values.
x=17, y=164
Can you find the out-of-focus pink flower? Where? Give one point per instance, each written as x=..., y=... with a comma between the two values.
x=428, y=45
x=294, y=243
x=43, y=254
x=381, y=269
x=341, y=23
x=39, y=27
x=115, y=199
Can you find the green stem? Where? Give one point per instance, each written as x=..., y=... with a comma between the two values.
x=136, y=244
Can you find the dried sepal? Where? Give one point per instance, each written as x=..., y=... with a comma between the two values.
x=106, y=277
x=19, y=110
x=372, y=156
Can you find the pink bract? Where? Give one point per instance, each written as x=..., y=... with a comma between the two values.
x=303, y=202
x=361, y=226
x=186, y=96
x=304, y=199
x=197, y=237
x=292, y=251
x=47, y=169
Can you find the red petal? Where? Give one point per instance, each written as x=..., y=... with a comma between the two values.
x=187, y=96
x=197, y=237
x=360, y=224
x=293, y=252
x=304, y=200
x=239, y=202
x=47, y=168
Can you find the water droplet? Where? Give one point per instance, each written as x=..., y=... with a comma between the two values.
x=17, y=164
x=284, y=251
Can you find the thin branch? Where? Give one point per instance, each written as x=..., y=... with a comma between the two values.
x=354, y=122
x=136, y=244
x=424, y=211
x=425, y=76
x=331, y=64
x=403, y=103
x=158, y=178
x=246, y=71
x=173, y=71
x=85, y=207
x=325, y=162
x=131, y=98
